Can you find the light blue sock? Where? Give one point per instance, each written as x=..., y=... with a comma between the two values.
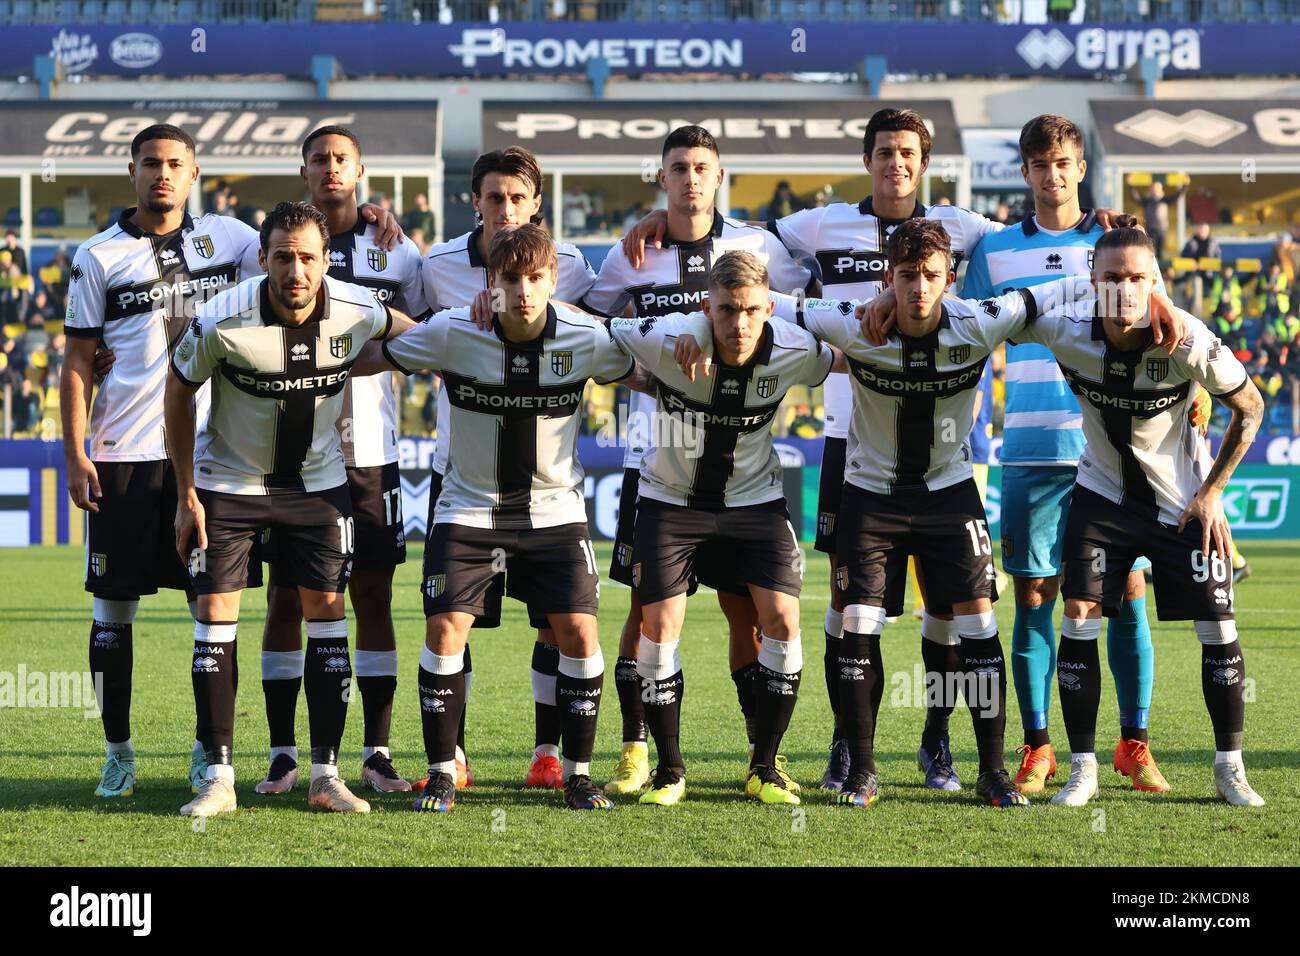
x=1132, y=662
x=1033, y=662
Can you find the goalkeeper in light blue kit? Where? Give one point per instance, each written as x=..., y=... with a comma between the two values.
x=1042, y=443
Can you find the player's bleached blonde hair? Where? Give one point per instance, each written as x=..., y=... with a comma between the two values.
x=738, y=270
x=524, y=249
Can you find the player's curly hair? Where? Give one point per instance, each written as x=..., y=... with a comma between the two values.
x=915, y=240
x=738, y=270
x=896, y=121
x=524, y=249
x=292, y=216
x=1126, y=235
x=161, y=131
x=1046, y=132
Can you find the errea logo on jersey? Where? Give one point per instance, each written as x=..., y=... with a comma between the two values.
x=338, y=259
x=301, y=353
x=519, y=365
x=695, y=264
x=168, y=257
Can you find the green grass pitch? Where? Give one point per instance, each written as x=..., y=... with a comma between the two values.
x=50, y=756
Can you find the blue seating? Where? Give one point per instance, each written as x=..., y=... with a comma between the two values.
x=6, y=11
x=115, y=11
x=24, y=12
x=13, y=218
x=48, y=216
x=92, y=11
x=139, y=11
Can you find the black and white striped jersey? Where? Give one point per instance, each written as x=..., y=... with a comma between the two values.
x=914, y=398
x=368, y=424
x=137, y=291
x=675, y=278
x=515, y=411
x=1141, y=450
x=849, y=243
x=713, y=437
x=277, y=390
x=454, y=274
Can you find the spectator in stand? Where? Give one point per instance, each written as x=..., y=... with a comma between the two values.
x=1266, y=376
x=1286, y=254
x=1003, y=214
x=16, y=251
x=805, y=424
x=221, y=204
x=1230, y=329
x=27, y=407
x=54, y=277
x=1201, y=245
x=420, y=218
x=40, y=310
x=1155, y=210
x=1225, y=293
x=783, y=202
x=13, y=289
x=577, y=209
x=1274, y=293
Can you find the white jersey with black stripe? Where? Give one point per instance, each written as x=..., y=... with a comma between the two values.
x=454, y=274
x=914, y=397
x=714, y=435
x=1141, y=450
x=675, y=278
x=136, y=291
x=515, y=410
x=368, y=424
x=277, y=390
x=849, y=243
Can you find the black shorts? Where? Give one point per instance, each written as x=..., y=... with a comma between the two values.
x=558, y=565
x=946, y=531
x=313, y=534
x=1103, y=539
x=380, y=538
x=830, y=490
x=675, y=545
x=513, y=585
x=131, y=541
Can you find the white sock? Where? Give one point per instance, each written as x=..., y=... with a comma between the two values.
x=547, y=750
x=290, y=752
x=1230, y=757
x=572, y=766
x=323, y=770
x=637, y=743
x=1079, y=759
x=368, y=752
x=447, y=766
x=124, y=747
x=460, y=755
x=220, y=771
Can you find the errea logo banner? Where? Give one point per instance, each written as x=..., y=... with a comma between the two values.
x=1110, y=50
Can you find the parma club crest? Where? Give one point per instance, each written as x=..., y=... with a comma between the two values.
x=1157, y=369
x=341, y=345
x=825, y=523
x=766, y=386
x=203, y=246
x=377, y=259
x=435, y=585
x=562, y=363
x=842, y=578
x=959, y=354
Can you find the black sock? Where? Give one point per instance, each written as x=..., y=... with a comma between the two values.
x=628, y=684
x=831, y=672
x=464, y=703
x=774, y=697
x=942, y=669
x=1223, y=675
x=442, y=703
x=547, y=717
x=213, y=677
x=377, y=693
x=663, y=714
x=1037, y=737
x=578, y=700
x=1133, y=733
x=985, y=673
x=111, y=655
x=1078, y=676
x=747, y=694
x=861, y=678
x=327, y=676
x=281, y=709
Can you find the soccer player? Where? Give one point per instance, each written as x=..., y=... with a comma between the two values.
x=1042, y=441
x=368, y=429
x=132, y=288
x=515, y=500
x=674, y=277
x=278, y=350
x=1146, y=485
x=909, y=491
x=506, y=189
x=715, y=488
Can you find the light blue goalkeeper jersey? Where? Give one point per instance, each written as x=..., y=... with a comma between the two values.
x=1043, y=425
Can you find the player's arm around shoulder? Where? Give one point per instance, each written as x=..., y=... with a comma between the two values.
x=404, y=344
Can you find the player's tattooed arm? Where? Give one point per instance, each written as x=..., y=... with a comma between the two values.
x=178, y=412
x=640, y=380
x=1247, y=407
x=75, y=387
